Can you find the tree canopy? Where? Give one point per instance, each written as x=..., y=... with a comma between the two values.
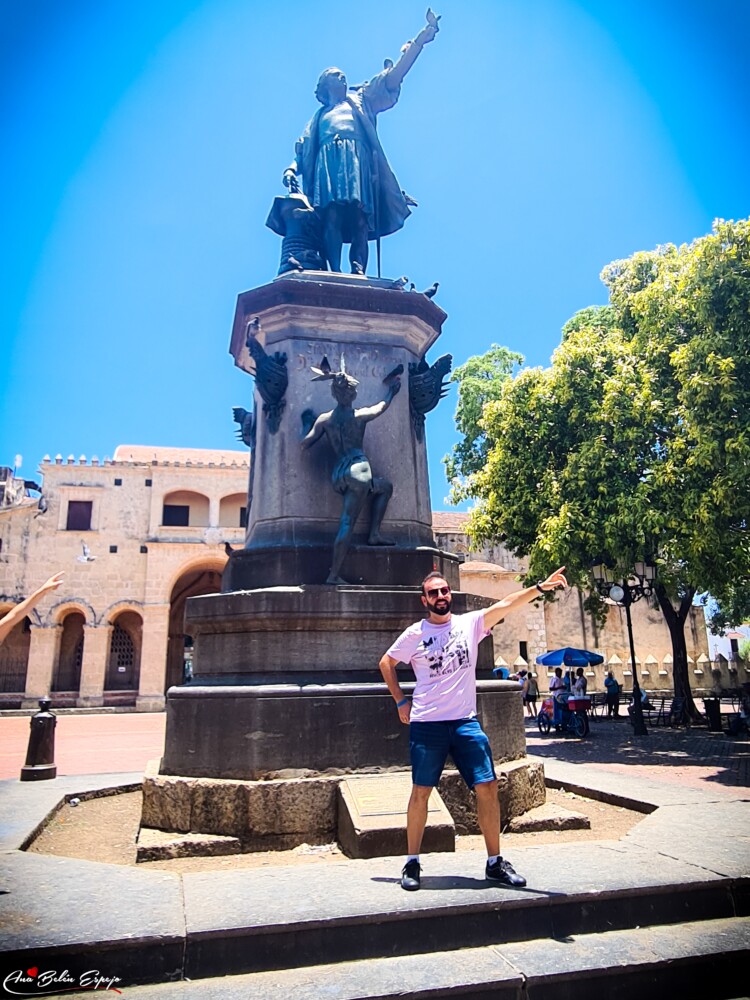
x=480, y=380
x=635, y=443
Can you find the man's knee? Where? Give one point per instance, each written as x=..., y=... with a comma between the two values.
x=486, y=789
x=420, y=794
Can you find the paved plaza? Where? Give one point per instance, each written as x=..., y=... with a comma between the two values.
x=690, y=758
x=112, y=743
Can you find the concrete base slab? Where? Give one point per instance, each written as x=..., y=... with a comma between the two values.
x=549, y=817
x=155, y=845
x=372, y=817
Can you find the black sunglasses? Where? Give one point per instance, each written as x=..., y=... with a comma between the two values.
x=434, y=591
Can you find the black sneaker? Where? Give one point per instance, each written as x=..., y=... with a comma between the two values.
x=504, y=872
x=410, y=875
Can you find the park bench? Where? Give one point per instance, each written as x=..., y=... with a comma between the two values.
x=662, y=711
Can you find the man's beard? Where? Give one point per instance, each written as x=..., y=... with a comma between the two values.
x=441, y=606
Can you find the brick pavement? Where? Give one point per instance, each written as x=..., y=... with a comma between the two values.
x=115, y=743
x=88, y=744
x=691, y=757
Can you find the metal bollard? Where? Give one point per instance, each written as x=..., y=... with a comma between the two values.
x=40, y=756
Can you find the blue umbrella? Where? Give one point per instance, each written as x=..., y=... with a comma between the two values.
x=569, y=657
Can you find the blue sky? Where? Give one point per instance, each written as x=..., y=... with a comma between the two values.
x=144, y=142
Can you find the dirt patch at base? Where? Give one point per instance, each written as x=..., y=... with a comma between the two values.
x=105, y=829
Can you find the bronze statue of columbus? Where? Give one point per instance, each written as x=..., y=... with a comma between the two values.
x=345, y=174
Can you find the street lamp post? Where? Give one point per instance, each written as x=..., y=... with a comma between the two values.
x=639, y=584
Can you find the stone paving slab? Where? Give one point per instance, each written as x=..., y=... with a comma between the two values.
x=623, y=789
x=27, y=804
x=254, y=921
x=282, y=896
x=57, y=906
x=716, y=837
x=690, y=960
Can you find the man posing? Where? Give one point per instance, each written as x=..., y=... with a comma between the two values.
x=442, y=650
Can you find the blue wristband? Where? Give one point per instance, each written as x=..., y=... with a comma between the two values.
x=403, y=702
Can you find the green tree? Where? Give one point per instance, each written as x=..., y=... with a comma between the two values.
x=480, y=380
x=635, y=443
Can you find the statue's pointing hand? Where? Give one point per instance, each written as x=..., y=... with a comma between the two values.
x=394, y=388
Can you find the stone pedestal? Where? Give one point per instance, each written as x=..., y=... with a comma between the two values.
x=293, y=511
x=287, y=679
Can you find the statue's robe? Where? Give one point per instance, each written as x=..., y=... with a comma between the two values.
x=389, y=207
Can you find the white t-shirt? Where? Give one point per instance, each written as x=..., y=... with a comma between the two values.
x=444, y=660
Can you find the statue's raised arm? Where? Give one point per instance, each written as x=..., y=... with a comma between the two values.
x=411, y=50
x=341, y=164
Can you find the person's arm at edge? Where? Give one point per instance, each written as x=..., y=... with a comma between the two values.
x=16, y=614
x=388, y=670
x=519, y=598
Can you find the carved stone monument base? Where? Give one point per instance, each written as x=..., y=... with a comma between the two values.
x=276, y=565
x=281, y=813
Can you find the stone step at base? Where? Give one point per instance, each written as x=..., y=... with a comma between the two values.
x=694, y=961
x=372, y=817
x=156, y=845
x=548, y=817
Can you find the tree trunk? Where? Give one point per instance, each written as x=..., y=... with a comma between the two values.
x=676, y=623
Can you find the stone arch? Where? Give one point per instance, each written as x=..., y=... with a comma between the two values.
x=109, y=614
x=58, y=611
x=66, y=675
x=185, y=509
x=195, y=578
x=123, y=668
x=231, y=508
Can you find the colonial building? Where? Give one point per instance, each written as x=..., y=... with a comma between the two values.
x=141, y=532
x=136, y=535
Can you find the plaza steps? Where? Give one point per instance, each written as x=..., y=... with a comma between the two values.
x=604, y=917
x=706, y=960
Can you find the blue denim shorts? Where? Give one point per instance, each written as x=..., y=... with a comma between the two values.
x=464, y=740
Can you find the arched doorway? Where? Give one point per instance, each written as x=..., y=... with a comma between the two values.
x=14, y=658
x=193, y=583
x=66, y=677
x=124, y=658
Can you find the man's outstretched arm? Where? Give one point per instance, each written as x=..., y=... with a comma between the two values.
x=14, y=616
x=520, y=598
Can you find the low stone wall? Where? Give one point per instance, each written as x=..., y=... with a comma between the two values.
x=279, y=814
x=653, y=675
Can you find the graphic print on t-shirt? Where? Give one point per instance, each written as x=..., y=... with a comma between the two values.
x=448, y=657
